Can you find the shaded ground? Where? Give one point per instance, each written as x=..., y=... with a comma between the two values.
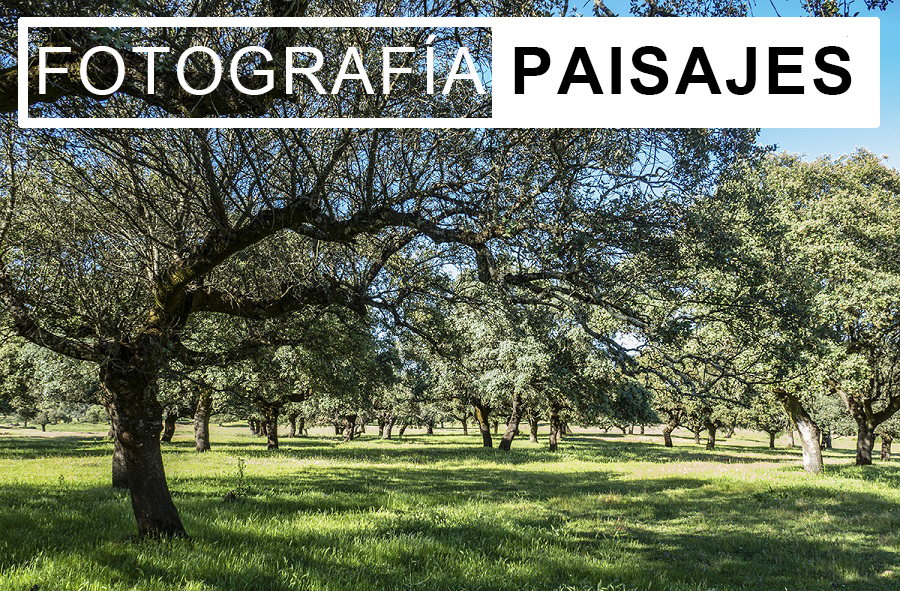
x=441, y=513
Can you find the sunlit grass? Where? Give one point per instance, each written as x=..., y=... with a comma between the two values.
x=441, y=513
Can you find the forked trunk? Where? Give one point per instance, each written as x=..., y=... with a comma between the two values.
x=483, y=416
x=201, y=420
x=808, y=431
x=169, y=427
x=349, y=427
x=512, y=425
x=555, y=428
x=886, y=441
x=865, y=442
x=388, y=428
x=138, y=422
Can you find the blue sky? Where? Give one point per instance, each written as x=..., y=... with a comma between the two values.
x=882, y=141
x=812, y=143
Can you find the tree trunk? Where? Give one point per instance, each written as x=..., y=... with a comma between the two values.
x=555, y=428
x=697, y=436
x=483, y=416
x=292, y=424
x=826, y=438
x=532, y=428
x=642, y=429
x=138, y=421
x=512, y=425
x=253, y=428
x=771, y=439
x=429, y=427
x=349, y=427
x=402, y=429
x=791, y=436
x=465, y=424
x=301, y=425
x=496, y=427
x=711, y=436
x=169, y=427
x=808, y=431
x=119, y=472
x=886, y=441
x=667, y=434
x=271, y=414
x=338, y=429
x=631, y=429
x=865, y=441
x=388, y=428
x=729, y=432
x=201, y=420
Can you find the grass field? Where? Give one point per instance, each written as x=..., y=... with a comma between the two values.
x=440, y=513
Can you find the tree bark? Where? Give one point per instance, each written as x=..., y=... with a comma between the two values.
x=865, y=442
x=301, y=425
x=271, y=425
x=349, y=427
x=642, y=429
x=429, y=427
x=555, y=427
x=388, y=428
x=729, y=432
x=711, y=429
x=532, y=428
x=496, y=427
x=119, y=472
x=465, y=424
x=292, y=425
x=791, y=436
x=512, y=425
x=808, y=431
x=667, y=434
x=402, y=429
x=138, y=422
x=631, y=429
x=886, y=441
x=201, y=420
x=169, y=427
x=771, y=439
x=697, y=436
x=483, y=416
x=826, y=438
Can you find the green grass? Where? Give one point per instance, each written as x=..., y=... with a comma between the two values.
x=440, y=513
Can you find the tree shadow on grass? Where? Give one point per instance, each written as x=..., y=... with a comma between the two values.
x=406, y=516
x=23, y=448
x=669, y=532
